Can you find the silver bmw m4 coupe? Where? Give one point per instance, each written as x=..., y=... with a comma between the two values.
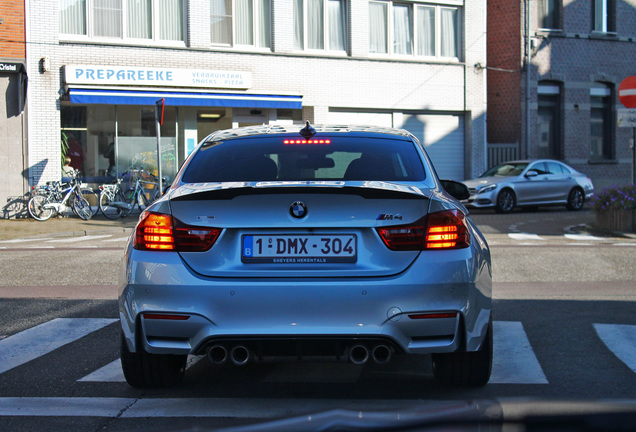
x=335, y=243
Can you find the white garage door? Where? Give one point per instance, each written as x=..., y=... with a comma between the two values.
x=360, y=118
x=443, y=138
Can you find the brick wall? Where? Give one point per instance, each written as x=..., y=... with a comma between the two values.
x=12, y=33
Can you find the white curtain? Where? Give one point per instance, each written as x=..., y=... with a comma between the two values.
x=299, y=39
x=315, y=25
x=170, y=19
x=139, y=24
x=263, y=16
x=336, y=16
x=221, y=21
x=401, y=29
x=378, y=27
x=73, y=17
x=107, y=18
x=425, y=31
x=244, y=22
x=449, y=32
x=600, y=15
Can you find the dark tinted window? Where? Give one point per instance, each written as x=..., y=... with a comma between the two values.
x=506, y=170
x=270, y=159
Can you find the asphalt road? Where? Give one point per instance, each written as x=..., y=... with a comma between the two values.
x=562, y=299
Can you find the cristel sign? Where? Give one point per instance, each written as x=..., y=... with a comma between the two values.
x=627, y=92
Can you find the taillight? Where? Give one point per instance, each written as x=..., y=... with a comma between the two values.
x=162, y=232
x=442, y=230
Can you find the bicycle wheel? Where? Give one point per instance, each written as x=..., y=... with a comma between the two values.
x=142, y=201
x=93, y=198
x=81, y=207
x=36, y=208
x=130, y=198
x=105, y=200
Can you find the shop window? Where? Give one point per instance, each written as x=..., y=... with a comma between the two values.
x=549, y=120
x=320, y=25
x=414, y=29
x=604, y=16
x=156, y=20
x=241, y=22
x=549, y=14
x=601, y=147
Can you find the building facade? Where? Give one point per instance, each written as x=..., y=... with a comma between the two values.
x=13, y=84
x=554, y=68
x=97, y=69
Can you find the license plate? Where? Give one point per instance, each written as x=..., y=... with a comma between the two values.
x=299, y=248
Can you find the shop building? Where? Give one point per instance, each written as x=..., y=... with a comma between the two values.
x=13, y=85
x=96, y=73
x=554, y=68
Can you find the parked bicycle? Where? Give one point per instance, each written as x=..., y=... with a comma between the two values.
x=134, y=189
x=55, y=197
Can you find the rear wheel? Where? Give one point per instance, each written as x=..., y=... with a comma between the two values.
x=81, y=207
x=468, y=369
x=142, y=369
x=576, y=198
x=505, y=201
x=107, y=209
x=36, y=208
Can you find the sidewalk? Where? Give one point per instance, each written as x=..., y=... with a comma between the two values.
x=71, y=226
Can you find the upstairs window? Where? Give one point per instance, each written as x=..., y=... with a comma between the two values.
x=603, y=14
x=414, y=29
x=241, y=22
x=601, y=124
x=154, y=20
x=549, y=14
x=320, y=25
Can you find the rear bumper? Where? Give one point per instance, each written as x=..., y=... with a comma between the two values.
x=389, y=310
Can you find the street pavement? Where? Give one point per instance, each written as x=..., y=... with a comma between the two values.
x=66, y=227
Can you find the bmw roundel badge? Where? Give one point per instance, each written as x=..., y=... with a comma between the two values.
x=298, y=209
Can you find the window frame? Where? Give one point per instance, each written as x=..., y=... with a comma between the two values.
x=601, y=98
x=607, y=24
x=90, y=26
x=415, y=8
x=325, y=28
x=257, y=24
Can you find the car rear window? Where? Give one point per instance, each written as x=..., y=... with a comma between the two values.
x=335, y=158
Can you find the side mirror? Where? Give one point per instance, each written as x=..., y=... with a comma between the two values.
x=531, y=173
x=456, y=189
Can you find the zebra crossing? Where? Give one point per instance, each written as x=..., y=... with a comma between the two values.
x=514, y=360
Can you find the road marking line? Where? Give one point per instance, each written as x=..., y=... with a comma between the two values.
x=621, y=340
x=582, y=237
x=78, y=239
x=525, y=236
x=25, y=240
x=118, y=239
x=37, y=341
x=514, y=361
x=112, y=371
x=624, y=244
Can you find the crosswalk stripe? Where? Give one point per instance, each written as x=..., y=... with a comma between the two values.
x=112, y=371
x=118, y=239
x=514, y=361
x=525, y=236
x=25, y=240
x=30, y=344
x=621, y=340
x=582, y=237
x=78, y=239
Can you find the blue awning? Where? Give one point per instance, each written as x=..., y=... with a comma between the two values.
x=133, y=97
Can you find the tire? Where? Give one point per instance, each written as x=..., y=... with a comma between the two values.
x=35, y=209
x=145, y=370
x=105, y=198
x=576, y=199
x=506, y=201
x=81, y=207
x=466, y=369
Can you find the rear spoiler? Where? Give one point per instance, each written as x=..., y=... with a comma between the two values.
x=230, y=190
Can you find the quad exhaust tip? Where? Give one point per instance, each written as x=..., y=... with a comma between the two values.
x=217, y=354
x=239, y=355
